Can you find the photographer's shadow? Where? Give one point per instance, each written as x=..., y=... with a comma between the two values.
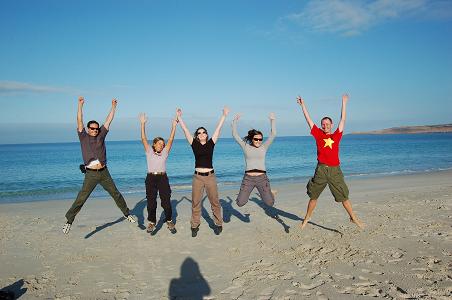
x=191, y=284
x=229, y=211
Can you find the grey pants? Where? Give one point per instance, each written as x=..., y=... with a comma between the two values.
x=92, y=179
x=262, y=184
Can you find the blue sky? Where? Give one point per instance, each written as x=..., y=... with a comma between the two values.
x=394, y=58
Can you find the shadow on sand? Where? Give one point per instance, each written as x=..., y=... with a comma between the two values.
x=275, y=213
x=229, y=211
x=138, y=211
x=13, y=291
x=191, y=284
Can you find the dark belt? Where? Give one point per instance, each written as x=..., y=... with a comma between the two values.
x=156, y=173
x=204, y=173
x=256, y=171
x=96, y=170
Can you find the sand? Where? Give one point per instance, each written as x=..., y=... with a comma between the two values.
x=405, y=252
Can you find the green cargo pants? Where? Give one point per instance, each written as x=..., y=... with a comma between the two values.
x=92, y=179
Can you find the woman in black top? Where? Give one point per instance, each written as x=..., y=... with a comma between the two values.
x=204, y=177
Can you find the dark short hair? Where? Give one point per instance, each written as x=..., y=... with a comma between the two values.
x=327, y=118
x=92, y=122
x=155, y=140
x=196, y=133
x=251, y=134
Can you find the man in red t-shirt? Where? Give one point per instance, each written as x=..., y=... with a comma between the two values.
x=328, y=171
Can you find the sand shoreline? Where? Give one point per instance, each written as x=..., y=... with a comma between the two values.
x=404, y=251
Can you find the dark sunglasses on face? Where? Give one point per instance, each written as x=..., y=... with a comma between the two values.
x=201, y=132
x=94, y=128
x=257, y=140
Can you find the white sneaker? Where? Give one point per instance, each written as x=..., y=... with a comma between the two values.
x=66, y=228
x=131, y=219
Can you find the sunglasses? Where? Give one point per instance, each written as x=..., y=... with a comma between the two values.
x=94, y=128
x=201, y=132
x=257, y=140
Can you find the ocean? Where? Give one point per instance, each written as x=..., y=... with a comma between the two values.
x=34, y=172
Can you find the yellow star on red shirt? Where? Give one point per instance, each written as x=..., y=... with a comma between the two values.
x=328, y=143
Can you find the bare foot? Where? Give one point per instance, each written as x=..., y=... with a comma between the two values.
x=303, y=224
x=358, y=223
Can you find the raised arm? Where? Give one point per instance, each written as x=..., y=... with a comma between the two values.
x=81, y=101
x=144, y=139
x=187, y=133
x=272, y=135
x=236, y=136
x=343, y=112
x=300, y=101
x=111, y=115
x=217, y=132
x=169, y=144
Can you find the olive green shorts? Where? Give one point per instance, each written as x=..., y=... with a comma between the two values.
x=332, y=176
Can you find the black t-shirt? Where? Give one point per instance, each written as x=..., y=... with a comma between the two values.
x=203, y=153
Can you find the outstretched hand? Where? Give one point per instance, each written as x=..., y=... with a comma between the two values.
x=300, y=100
x=178, y=113
x=143, y=118
x=81, y=100
x=272, y=116
x=226, y=111
x=345, y=98
x=114, y=102
x=175, y=121
x=236, y=117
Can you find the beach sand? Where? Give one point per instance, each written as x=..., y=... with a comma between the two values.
x=405, y=252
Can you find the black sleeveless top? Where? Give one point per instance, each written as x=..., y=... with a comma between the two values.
x=203, y=153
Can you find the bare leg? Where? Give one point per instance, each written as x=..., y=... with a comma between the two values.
x=311, y=205
x=348, y=207
x=274, y=193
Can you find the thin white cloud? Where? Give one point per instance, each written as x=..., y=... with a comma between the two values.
x=353, y=17
x=18, y=87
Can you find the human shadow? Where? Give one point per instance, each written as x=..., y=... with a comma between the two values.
x=229, y=211
x=326, y=228
x=13, y=291
x=136, y=211
x=275, y=213
x=102, y=227
x=191, y=284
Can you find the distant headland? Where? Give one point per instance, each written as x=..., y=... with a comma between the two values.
x=411, y=129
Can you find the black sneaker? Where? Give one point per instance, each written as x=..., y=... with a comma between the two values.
x=194, y=231
x=171, y=227
x=218, y=229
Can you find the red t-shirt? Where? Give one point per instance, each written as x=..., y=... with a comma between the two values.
x=327, y=146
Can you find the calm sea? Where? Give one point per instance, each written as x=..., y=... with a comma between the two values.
x=33, y=172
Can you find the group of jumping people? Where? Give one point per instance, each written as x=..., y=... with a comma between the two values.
x=327, y=172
